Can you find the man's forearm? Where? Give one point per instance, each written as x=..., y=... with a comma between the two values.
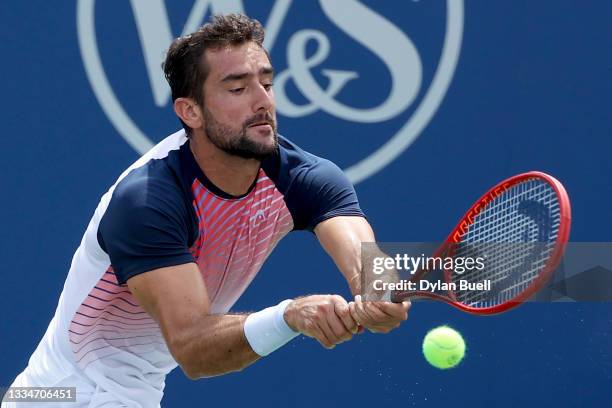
x=217, y=344
x=214, y=345
x=342, y=238
x=206, y=344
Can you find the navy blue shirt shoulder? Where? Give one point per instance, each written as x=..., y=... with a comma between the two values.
x=314, y=188
x=150, y=221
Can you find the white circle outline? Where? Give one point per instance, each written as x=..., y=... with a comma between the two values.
x=358, y=172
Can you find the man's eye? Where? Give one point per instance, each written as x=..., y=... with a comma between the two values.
x=236, y=90
x=267, y=87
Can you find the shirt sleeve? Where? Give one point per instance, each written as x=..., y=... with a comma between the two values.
x=322, y=191
x=146, y=226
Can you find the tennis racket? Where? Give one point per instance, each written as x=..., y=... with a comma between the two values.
x=521, y=227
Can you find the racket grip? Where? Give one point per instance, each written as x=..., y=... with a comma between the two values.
x=398, y=297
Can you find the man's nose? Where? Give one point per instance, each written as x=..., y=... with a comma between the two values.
x=264, y=99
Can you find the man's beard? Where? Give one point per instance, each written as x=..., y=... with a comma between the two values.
x=238, y=143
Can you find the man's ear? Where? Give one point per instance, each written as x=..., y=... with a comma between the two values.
x=189, y=112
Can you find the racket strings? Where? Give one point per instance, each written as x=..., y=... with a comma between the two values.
x=515, y=234
x=489, y=223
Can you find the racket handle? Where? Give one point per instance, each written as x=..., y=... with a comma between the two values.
x=398, y=297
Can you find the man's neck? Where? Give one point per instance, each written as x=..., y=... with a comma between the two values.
x=232, y=174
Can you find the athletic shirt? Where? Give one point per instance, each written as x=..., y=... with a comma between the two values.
x=163, y=211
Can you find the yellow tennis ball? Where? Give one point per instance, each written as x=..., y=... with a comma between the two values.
x=443, y=347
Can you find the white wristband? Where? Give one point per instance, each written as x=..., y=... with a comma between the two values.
x=267, y=329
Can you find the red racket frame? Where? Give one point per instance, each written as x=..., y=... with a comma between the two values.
x=455, y=237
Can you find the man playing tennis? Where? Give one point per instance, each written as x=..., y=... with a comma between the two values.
x=179, y=237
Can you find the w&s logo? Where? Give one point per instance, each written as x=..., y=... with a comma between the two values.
x=357, y=81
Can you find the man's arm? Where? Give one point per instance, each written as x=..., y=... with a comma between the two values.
x=203, y=344
x=207, y=344
x=342, y=237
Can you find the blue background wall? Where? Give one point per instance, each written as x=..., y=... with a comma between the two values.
x=531, y=90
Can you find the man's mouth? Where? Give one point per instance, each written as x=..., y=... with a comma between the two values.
x=262, y=123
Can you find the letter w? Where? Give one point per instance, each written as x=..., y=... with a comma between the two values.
x=155, y=32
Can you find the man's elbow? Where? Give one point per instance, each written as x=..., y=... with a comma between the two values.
x=200, y=359
x=180, y=350
x=202, y=365
x=191, y=371
x=203, y=370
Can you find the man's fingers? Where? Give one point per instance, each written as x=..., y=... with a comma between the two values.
x=406, y=305
x=331, y=320
x=353, y=312
x=372, y=315
x=334, y=319
x=359, y=312
x=382, y=310
x=337, y=327
x=342, y=310
x=378, y=314
x=315, y=331
x=327, y=318
x=396, y=310
x=379, y=317
x=328, y=332
x=324, y=341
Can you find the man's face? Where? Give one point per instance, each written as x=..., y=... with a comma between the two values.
x=239, y=108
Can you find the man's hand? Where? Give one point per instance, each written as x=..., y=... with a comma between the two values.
x=379, y=317
x=324, y=317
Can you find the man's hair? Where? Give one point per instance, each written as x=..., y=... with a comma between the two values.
x=184, y=67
